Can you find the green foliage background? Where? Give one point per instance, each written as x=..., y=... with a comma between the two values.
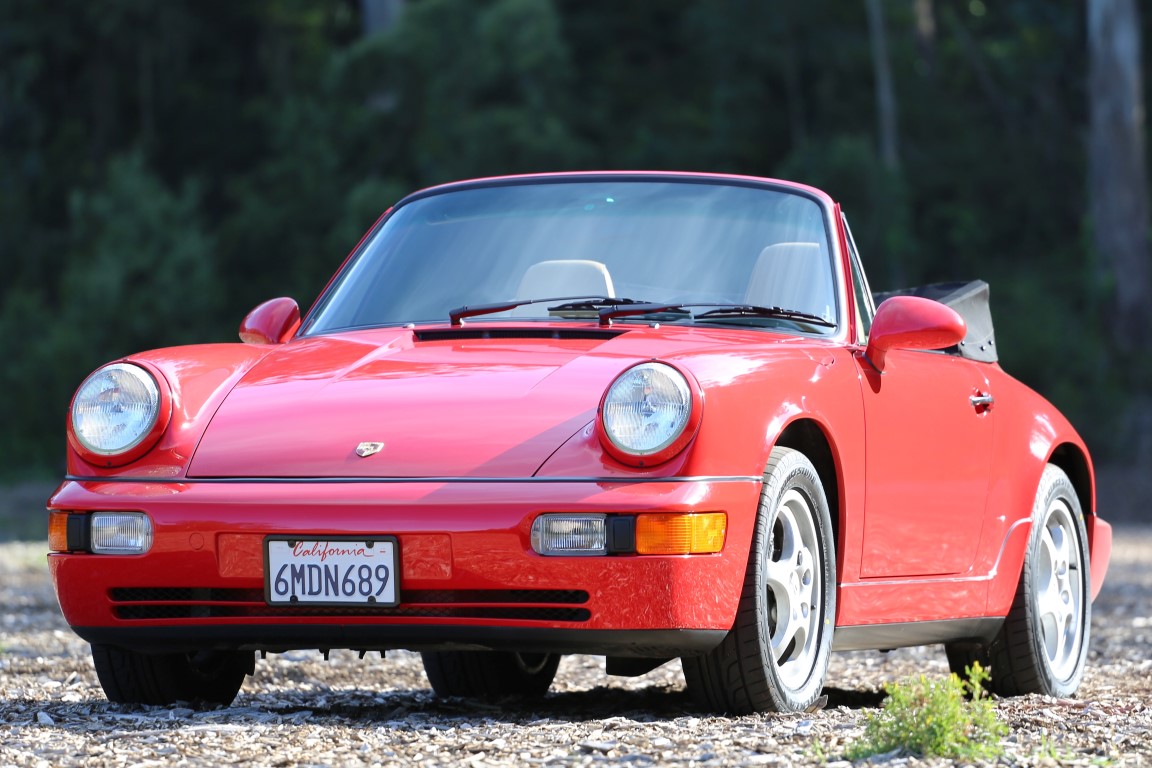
x=165, y=166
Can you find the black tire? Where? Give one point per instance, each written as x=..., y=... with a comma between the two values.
x=961, y=656
x=1043, y=644
x=768, y=662
x=490, y=674
x=207, y=677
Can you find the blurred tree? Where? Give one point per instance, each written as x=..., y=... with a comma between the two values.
x=242, y=148
x=885, y=94
x=480, y=88
x=139, y=274
x=1118, y=197
x=36, y=384
x=925, y=33
x=141, y=270
x=1118, y=176
x=379, y=15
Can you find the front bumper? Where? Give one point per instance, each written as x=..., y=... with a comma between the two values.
x=468, y=576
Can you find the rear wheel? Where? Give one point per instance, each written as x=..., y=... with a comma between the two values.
x=490, y=674
x=1044, y=642
x=775, y=657
x=205, y=677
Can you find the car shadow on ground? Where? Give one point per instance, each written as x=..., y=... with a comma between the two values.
x=652, y=703
x=412, y=708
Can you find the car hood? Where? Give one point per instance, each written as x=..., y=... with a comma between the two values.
x=447, y=404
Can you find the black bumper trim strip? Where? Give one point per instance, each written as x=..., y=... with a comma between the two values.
x=640, y=643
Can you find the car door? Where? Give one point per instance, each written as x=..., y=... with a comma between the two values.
x=928, y=430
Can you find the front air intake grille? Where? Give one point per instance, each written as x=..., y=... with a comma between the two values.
x=141, y=604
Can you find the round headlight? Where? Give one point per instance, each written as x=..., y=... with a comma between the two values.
x=115, y=409
x=646, y=412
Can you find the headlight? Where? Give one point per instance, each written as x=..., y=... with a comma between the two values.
x=649, y=414
x=116, y=412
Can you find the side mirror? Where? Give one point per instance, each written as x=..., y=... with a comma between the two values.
x=911, y=322
x=273, y=322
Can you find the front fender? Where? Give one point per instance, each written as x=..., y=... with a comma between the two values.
x=199, y=377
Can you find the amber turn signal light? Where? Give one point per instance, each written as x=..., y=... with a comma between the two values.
x=689, y=534
x=58, y=531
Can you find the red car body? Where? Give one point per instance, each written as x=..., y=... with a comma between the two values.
x=931, y=468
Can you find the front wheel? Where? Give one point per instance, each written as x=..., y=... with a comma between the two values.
x=205, y=677
x=776, y=656
x=1043, y=644
x=490, y=674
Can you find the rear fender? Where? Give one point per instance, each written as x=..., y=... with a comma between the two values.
x=1049, y=439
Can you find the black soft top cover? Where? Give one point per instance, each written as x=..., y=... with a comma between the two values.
x=970, y=299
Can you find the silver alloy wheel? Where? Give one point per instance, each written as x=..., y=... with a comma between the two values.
x=1060, y=590
x=793, y=577
x=1042, y=646
x=775, y=657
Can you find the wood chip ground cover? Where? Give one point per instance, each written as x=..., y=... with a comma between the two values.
x=300, y=710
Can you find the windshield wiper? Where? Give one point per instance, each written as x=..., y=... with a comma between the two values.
x=608, y=313
x=720, y=311
x=608, y=307
x=570, y=304
x=594, y=303
x=751, y=310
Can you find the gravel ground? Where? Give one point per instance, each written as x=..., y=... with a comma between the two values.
x=300, y=710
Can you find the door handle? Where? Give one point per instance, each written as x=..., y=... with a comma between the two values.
x=981, y=402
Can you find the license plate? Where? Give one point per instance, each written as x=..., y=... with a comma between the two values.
x=336, y=571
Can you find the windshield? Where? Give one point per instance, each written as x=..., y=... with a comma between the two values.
x=658, y=242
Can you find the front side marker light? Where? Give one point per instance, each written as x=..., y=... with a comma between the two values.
x=681, y=534
x=67, y=531
x=58, y=531
x=570, y=535
x=120, y=533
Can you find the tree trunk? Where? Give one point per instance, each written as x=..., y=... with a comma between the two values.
x=1117, y=178
x=885, y=96
x=925, y=35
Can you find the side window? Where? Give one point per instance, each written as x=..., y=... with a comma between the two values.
x=865, y=305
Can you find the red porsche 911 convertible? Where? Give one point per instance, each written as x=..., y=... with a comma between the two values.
x=638, y=415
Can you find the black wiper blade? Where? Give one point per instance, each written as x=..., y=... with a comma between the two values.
x=751, y=310
x=588, y=303
x=720, y=311
x=608, y=313
x=592, y=304
x=609, y=307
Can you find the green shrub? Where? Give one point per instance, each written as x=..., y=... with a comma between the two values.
x=935, y=718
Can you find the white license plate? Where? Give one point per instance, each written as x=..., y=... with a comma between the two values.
x=337, y=571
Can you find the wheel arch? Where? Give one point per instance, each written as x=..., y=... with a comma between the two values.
x=1072, y=458
x=1074, y=462
x=808, y=437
